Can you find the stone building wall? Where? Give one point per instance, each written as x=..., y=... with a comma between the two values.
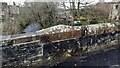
x=8, y=16
x=115, y=11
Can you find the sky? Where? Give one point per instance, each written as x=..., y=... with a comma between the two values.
x=21, y=1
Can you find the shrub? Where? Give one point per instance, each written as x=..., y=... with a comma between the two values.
x=94, y=21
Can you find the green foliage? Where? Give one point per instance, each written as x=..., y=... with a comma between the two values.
x=83, y=18
x=94, y=21
x=43, y=13
x=23, y=24
x=94, y=15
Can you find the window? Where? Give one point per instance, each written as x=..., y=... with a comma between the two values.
x=116, y=7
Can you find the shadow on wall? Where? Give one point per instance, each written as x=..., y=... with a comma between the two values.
x=45, y=38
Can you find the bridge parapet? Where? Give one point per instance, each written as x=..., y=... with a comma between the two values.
x=33, y=47
x=57, y=33
x=20, y=38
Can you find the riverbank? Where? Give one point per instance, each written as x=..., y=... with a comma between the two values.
x=106, y=57
x=91, y=51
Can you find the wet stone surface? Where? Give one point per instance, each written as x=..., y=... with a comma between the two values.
x=20, y=55
x=108, y=57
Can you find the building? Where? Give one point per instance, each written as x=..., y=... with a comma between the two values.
x=115, y=11
x=8, y=18
x=113, y=8
x=13, y=12
x=3, y=12
x=8, y=12
x=3, y=15
x=115, y=0
x=101, y=1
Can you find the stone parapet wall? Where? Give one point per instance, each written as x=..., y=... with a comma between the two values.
x=31, y=48
x=21, y=55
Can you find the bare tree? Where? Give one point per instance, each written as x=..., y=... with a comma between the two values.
x=43, y=13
